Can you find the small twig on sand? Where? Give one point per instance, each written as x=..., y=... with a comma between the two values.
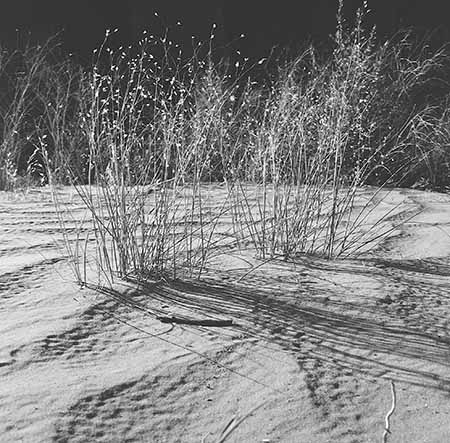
x=195, y=322
x=185, y=348
x=387, y=430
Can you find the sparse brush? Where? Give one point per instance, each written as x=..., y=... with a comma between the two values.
x=293, y=151
x=149, y=150
x=321, y=139
x=18, y=71
x=39, y=100
x=57, y=92
x=430, y=141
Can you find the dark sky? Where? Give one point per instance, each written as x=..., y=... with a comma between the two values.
x=265, y=23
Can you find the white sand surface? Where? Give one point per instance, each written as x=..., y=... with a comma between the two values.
x=314, y=344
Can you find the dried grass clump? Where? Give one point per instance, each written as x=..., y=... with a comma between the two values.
x=145, y=130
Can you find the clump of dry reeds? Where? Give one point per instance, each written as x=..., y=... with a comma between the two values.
x=321, y=137
x=144, y=131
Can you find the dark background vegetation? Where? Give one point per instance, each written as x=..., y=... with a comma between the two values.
x=265, y=23
x=387, y=105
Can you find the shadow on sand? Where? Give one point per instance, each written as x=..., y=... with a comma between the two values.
x=314, y=328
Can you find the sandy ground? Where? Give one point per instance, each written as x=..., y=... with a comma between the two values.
x=314, y=344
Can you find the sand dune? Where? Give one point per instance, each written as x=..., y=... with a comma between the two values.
x=314, y=343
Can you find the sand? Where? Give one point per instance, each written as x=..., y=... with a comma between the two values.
x=313, y=347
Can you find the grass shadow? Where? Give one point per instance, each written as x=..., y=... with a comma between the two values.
x=309, y=325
